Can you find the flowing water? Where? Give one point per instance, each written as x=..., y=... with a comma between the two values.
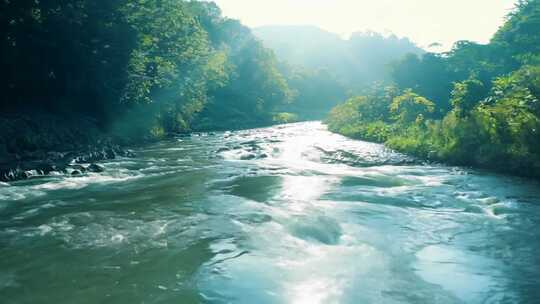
x=287, y=214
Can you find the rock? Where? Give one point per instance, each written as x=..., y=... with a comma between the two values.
x=15, y=174
x=96, y=168
x=76, y=173
x=33, y=173
x=78, y=168
x=130, y=154
x=22, y=174
x=223, y=149
x=109, y=153
x=248, y=157
x=47, y=168
x=250, y=143
x=4, y=175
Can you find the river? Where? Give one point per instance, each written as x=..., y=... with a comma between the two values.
x=286, y=214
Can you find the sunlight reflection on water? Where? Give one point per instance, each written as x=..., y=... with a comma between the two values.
x=288, y=214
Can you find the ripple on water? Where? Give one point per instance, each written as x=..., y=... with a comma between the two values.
x=320, y=219
x=381, y=181
x=469, y=276
x=84, y=181
x=90, y=230
x=310, y=273
x=33, y=188
x=321, y=229
x=18, y=193
x=8, y=279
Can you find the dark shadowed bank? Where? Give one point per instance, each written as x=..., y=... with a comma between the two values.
x=39, y=144
x=34, y=145
x=82, y=80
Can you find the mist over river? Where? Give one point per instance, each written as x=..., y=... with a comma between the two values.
x=286, y=214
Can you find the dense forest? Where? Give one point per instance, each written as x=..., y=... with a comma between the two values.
x=72, y=70
x=475, y=105
x=81, y=72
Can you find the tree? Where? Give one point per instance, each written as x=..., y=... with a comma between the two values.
x=467, y=95
x=428, y=75
x=520, y=35
x=410, y=107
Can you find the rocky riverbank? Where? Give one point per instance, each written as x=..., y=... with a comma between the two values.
x=39, y=145
x=70, y=163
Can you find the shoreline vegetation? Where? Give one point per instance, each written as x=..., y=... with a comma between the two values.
x=87, y=80
x=82, y=77
x=46, y=145
x=83, y=81
x=477, y=105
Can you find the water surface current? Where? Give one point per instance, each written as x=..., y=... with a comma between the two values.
x=286, y=214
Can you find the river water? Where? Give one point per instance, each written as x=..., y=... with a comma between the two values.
x=286, y=214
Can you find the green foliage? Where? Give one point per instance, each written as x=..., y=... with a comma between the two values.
x=428, y=76
x=345, y=115
x=410, y=107
x=520, y=35
x=499, y=131
x=364, y=116
x=467, y=94
x=486, y=101
x=166, y=65
x=283, y=118
x=170, y=46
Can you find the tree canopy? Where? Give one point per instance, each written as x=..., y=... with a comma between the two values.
x=474, y=105
x=163, y=65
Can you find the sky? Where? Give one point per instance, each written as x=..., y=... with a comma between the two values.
x=423, y=21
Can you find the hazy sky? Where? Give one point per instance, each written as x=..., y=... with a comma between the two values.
x=424, y=21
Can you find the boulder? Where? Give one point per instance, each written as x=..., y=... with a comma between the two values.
x=78, y=168
x=96, y=168
x=129, y=154
x=109, y=153
x=249, y=156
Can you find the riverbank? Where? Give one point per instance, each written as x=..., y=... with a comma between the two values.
x=40, y=144
x=418, y=143
x=34, y=145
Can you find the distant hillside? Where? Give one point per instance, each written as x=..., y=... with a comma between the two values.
x=356, y=62
x=306, y=46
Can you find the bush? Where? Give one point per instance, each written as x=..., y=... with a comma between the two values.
x=283, y=118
